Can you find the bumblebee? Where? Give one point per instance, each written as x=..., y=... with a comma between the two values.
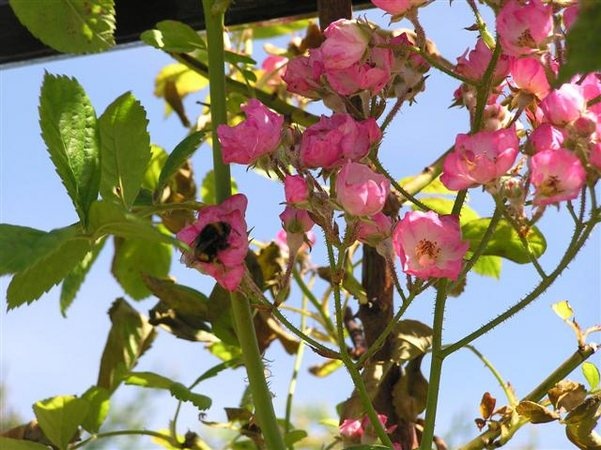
x=211, y=240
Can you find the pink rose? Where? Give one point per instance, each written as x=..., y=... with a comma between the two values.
x=570, y=14
x=273, y=66
x=524, y=27
x=474, y=64
x=546, y=137
x=556, y=175
x=219, y=241
x=429, y=245
x=374, y=229
x=302, y=76
x=328, y=143
x=479, y=158
x=360, y=190
x=256, y=136
x=296, y=189
x=529, y=75
x=564, y=105
x=351, y=429
x=345, y=44
x=397, y=7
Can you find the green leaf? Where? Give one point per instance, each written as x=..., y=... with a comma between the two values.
x=60, y=417
x=563, y=309
x=111, y=218
x=581, y=42
x=68, y=123
x=76, y=277
x=591, y=374
x=278, y=29
x=505, y=241
x=489, y=266
x=99, y=403
x=18, y=444
x=294, y=436
x=130, y=336
x=158, y=157
x=134, y=257
x=326, y=368
x=207, y=188
x=434, y=187
x=536, y=413
x=239, y=58
x=19, y=245
x=179, y=155
x=445, y=206
x=70, y=26
x=173, y=36
x=178, y=390
x=125, y=149
x=48, y=269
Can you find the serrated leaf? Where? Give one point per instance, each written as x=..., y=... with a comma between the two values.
x=445, y=206
x=20, y=245
x=148, y=380
x=179, y=155
x=411, y=340
x=158, y=156
x=47, y=270
x=60, y=417
x=68, y=123
x=505, y=241
x=70, y=26
x=76, y=277
x=489, y=266
x=181, y=392
x=173, y=36
x=207, y=188
x=125, y=149
x=591, y=374
x=581, y=41
x=18, y=444
x=536, y=413
x=563, y=309
x=129, y=337
x=99, y=403
x=134, y=257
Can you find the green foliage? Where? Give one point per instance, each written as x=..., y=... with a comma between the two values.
x=445, y=206
x=563, y=309
x=173, y=36
x=130, y=336
x=60, y=417
x=134, y=257
x=581, y=39
x=68, y=123
x=76, y=277
x=505, y=241
x=19, y=245
x=179, y=155
x=591, y=374
x=207, y=188
x=488, y=266
x=70, y=26
x=18, y=444
x=99, y=403
x=412, y=339
x=279, y=29
x=125, y=149
x=178, y=390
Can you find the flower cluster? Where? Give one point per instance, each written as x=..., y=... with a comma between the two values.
x=360, y=431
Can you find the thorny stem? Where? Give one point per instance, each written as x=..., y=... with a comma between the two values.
x=325, y=318
x=240, y=305
x=391, y=114
x=442, y=65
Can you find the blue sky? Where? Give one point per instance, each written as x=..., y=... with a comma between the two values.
x=43, y=354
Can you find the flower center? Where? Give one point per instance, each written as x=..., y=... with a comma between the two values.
x=526, y=40
x=551, y=186
x=427, y=252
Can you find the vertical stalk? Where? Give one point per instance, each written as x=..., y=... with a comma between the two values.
x=240, y=306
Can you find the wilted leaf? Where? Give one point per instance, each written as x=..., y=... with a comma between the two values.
x=505, y=241
x=129, y=337
x=563, y=309
x=99, y=403
x=410, y=391
x=70, y=26
x=60, y=417
x=125, y=149
x=567, y=394
x=326, y=368
x=480, y=423
x=177, y=80
x=581, y=423
x=411, y=339
x=536, y=413
x=268, y=330
x=270, y=260
x=68, y=123
x=487, y=405
x=591, y=373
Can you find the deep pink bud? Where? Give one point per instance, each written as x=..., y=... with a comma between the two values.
x=570, y=14
x=331, y=141
x=397, y=7
x=296, y=220
x=360, y=190
x=351, y=429
x=556, y=175
x=564, y=105
x=429, y=245
x=529, y=75
x=302, y=76
x=256, y=136
x=546, y=137
x=346, y=43
x=274, y=65
x=219, y=241
x=524, y=27
x=474, y=64
x=479, y=158
x=296, y=189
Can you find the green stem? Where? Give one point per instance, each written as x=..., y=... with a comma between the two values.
x=484, y=89
x=435, y=367
x=442, y=65
x=240, y=305
x=325, y=318
x=155, y=434
x=504, y=385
